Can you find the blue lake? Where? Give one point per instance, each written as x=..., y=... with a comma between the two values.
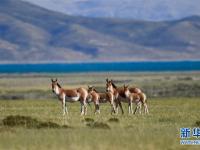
x=101, y=67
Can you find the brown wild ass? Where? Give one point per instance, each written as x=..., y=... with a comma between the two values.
x=138, y=98
x=97, y=98
x=70, y=95
x=119, y=94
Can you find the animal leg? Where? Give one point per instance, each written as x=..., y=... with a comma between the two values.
x=85, y=108
x=82, y=109
x=116, y=107
x=131, y=107
x=140, y=107
x=120, y=105
x=66, y=110
x=113, y=109
x=63, y=110
x=136, y=108
x=97, y=109
x=83, y=101
x=146, y=109
x=63, y=106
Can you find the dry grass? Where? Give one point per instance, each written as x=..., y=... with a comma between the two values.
x=159, y=130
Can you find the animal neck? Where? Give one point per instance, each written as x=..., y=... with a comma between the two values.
x=96, y=91
x=92, y=93
x=57, y=90
x=114, y=86
x=127, y=93
x=112, y=90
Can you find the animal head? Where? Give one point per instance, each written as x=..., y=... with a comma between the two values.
x=126, y=90
x=55, y=85
x=91, y=89
x=109, y=86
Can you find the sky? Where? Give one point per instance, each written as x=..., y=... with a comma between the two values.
x=132, y=9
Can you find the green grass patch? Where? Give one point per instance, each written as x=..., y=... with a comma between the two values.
x=115, y=120
x=89, y=120
x=197, y=123
x=98, y=125
x=28, y=122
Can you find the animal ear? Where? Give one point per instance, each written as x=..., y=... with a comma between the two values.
x=56, y=80
x=51, y=80
x=107, y=80
x=125, y=86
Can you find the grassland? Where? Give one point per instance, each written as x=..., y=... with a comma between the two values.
x=34, y=86
x=158, y=130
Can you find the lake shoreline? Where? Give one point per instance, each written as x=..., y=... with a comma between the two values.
x=182, y=66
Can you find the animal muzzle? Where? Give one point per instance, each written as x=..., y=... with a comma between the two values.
x=107, y=89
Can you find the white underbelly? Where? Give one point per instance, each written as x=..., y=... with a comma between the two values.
x=89, y=100
x=72, y=99
x=137, y=101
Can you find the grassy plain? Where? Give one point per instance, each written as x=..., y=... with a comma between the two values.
x=158, y=130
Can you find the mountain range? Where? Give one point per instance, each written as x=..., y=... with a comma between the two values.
x=153, y=10
x=30, y=33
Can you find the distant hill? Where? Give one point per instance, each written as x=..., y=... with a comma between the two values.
x=31, y=33
x=153, y=10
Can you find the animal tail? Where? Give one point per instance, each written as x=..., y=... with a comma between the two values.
x=143, y=98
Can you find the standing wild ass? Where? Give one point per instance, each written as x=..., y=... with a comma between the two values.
x=98, y=98
x=119, y=94
x=70, y=95
x=138, y=98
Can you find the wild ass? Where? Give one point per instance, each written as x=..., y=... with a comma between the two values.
x=119, y=94
x=70, y=95
x=138, y=98
x=98, y=98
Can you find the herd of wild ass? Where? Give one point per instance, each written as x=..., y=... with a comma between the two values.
x=113, y=94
